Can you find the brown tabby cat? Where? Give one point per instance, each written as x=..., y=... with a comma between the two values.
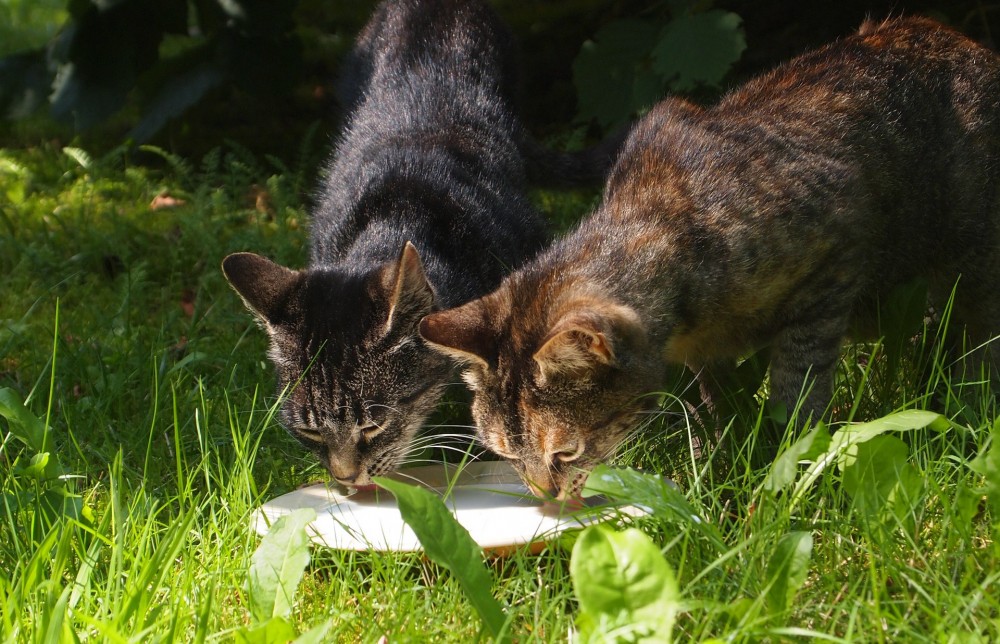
x=777, y=217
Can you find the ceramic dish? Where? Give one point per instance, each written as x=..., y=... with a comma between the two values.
x=487, y=498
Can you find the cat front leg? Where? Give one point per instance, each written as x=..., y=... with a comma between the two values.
x=803, y=360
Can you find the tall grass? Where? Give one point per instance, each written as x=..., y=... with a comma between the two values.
x=150, y=385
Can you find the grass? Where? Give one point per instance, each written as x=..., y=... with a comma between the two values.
x=120, y=333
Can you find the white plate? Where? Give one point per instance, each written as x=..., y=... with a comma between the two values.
x=487, y=498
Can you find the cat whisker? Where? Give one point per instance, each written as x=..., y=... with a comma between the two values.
x=443, y=435
x=403, y=474
x=459, y=445
x=451, y=426
x=455, y=450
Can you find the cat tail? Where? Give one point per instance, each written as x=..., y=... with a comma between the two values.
x=548, y=168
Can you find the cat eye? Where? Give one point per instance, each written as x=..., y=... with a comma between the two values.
x=370, y=431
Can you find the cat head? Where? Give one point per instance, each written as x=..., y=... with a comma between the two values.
x=359, y=381
x=559, y=379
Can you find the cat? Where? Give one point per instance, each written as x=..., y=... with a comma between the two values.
x=775, y=218
x=423, y=207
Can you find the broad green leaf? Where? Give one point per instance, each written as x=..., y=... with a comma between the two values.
x=316, y=635
x=650, y=491
x=100, y=56
x=699, y=49
x=24, y=425
x=987, y=463
x=884, y=487
x=902, y=315
x=621, y=579
x=611, y=70
x=900, y=421
x=680, y=7
x=276, y=567
x=36, y=467
x=447, y=543
x=273, y=631
x=786, y=467
x=850, y=435
x=175, y=97
x=787, y=570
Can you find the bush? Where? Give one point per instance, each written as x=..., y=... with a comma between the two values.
x=632, y=62
x=170, y=53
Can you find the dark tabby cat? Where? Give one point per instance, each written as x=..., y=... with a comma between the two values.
x=423, y=208
x=777, y=217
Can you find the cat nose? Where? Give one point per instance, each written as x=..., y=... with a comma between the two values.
x=347, y=480
x=345, y=476
x=540, y=484
x=548, y=492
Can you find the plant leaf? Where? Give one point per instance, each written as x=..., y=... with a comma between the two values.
x=316, y=634
x=175, y=96
x=102, y=52
x=787, y=570
x=621, y=579
x=24, y=425
x=277, y=565
x=447, y=543
x=699, y=49
x=783, y=471
x=883, y=485
x=609, y=72
x=275, y=629
x=987, y=463
x=650, y=491
x=850, y=435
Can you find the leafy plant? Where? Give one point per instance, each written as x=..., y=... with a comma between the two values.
x=987, y=464
x=630, y=63
x=654, y=494
x=626, y=590
x=818, y=451
x=172, y=53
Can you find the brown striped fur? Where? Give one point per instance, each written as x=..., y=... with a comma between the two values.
x=775, y=218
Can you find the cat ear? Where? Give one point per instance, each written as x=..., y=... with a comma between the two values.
x=263, y=285
x=461, y=333
x=407, y=285
x=585, y=338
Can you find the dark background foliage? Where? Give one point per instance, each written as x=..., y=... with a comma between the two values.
x=189, y=74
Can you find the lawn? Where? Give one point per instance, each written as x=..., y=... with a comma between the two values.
x=137, y=429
